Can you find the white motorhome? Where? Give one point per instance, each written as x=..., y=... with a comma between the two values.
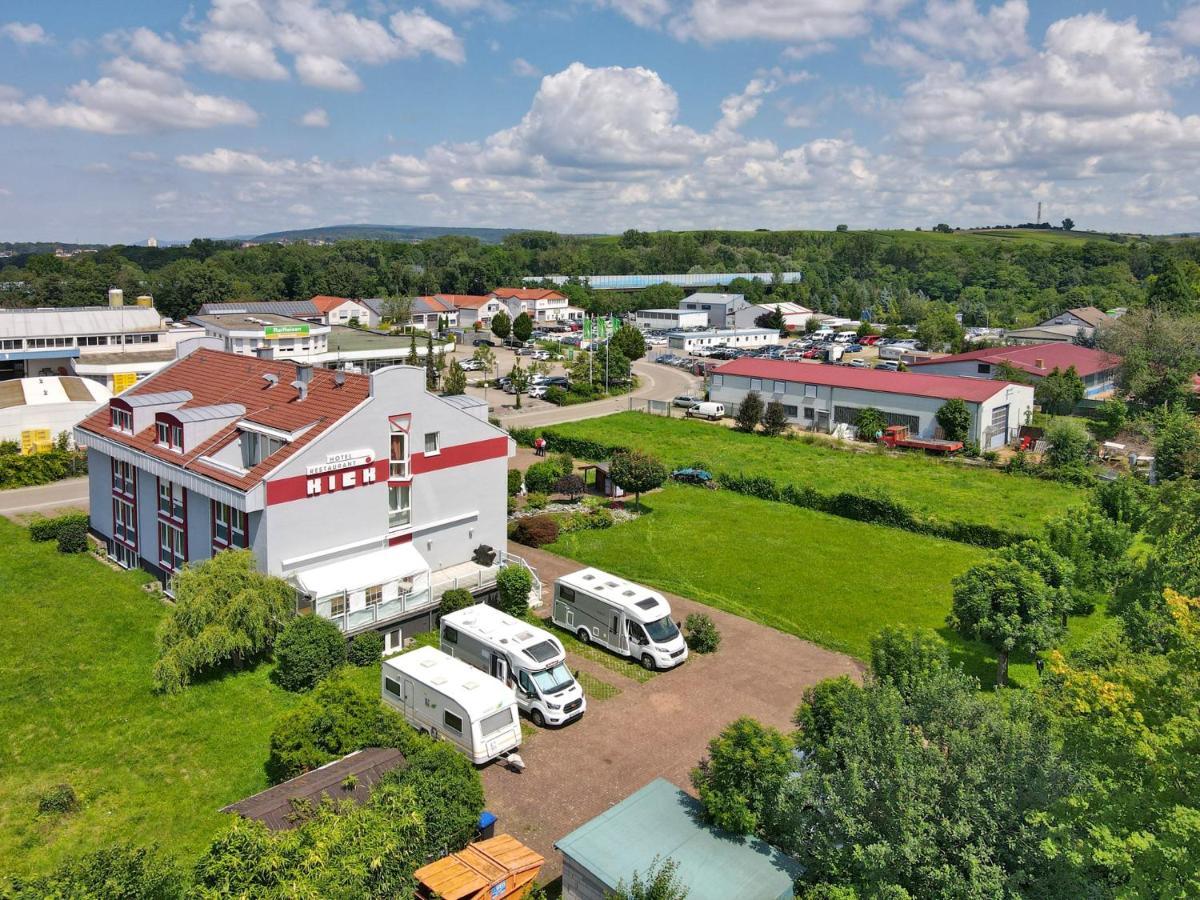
x=517, y=653
x=449, y=700
x=619, y=615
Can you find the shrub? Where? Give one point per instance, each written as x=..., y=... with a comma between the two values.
x=337, y=718
x=309, y=648
x=454, y=600
x=955, y=419
x=700, y=633
x=775, y=421
x=906, y=657
x=555, y=395
x=749, y=412
x=72, y=535
x=1111, y=419
x=571, y=485
x=563, y=462
x=449, y=792
x=50, y=529
x=971, y=449
x=59, y=799
x=534, y=531
x=41, y=468
x=514, y=584
x=870, y=423
x=515, y=481
x=536, y=500
x=990, y=456
x=366, y=649
x=740, y=779
x=1069, y=444
x=540, y=477
x=115, y=873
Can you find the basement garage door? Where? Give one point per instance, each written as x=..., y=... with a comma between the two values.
x=998, y=433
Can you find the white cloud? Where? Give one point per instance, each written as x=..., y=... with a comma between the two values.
x=957, y=28
x=738, y=109
x=791, y=21
x=315, y=118
x=239, y=54
x=158, y=50
x=498, y=9
x=418, y=33
x=525, y=69
x=223, y=161
x=25, y=33
x=645, y=13
x=1186, y=26
x=328, y=72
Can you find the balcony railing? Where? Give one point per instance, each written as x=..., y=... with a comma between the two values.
x=376, y=614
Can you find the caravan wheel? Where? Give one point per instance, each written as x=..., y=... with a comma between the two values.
x=584, y=636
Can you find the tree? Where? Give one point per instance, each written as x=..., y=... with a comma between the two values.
x=771, y=318
x=309, y=648
x=842, y=228
x=1008, y=607
x=749, y=412
x=943, y=228
x=1171, y=292
x=906, y=657
x=821, y=710
x=501, y=325
x=225, y=611
x=1177, y=445
x=955, y=418
x=1095, y=545
x=397, y=309
x=513, y=583
x=431, y=372
x=1159, y=353
x=1068, y=224
x=1058, y=392
x=449, y=793
x=456, y=380
x=741, y=777
x=519, y=379
x=486, y=359
x=938, y=329
x=1054, y=569
x=522, y=327
x=629, y=341
x=1068, y=445
x=870, y=423
x=632, y=470
x=775, y=419
x=413, y=359
x=186, y=285
x=571, y=485
x=661, y=882
x=455, y=599
x=811, y=324
x=114, y=873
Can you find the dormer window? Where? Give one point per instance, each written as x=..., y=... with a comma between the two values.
x=169, y=435
x=122, y=419
x=257, y=447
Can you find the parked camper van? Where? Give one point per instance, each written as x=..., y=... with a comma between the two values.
x=706, y=410
x=529, y=658
x=451, y=701
x=619, y=615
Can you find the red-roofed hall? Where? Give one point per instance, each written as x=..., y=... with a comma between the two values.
x=1097, y=368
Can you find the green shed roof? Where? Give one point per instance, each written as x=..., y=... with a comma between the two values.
x=662, y=820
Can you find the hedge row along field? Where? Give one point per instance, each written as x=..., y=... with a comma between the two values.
x=975, y=505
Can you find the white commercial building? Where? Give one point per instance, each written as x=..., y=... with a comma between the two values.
x=34, y=411
x=670, y=319
x=822, y=397
x=737, y=338
x=722, y=309
x=795, y=316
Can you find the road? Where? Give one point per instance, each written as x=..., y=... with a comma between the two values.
x=46, y=498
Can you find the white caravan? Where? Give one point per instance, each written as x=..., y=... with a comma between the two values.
x=622, y=616
x=530, y=659
x=449, y=700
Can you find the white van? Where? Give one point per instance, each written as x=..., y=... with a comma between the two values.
x=824, y=333
x=445, y=698
x=846, y=337
x=619, y=615
x=523, y=656
x=706, y=410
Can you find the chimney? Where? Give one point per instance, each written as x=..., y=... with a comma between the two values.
x=116, y=297
x=1040, y=363
x=303, y=372
x=301, y=389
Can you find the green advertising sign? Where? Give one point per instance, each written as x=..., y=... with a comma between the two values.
x=279, y=331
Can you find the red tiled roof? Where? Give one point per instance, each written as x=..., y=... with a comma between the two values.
x=212, y=378
x=528, y=294
x=433, y=304
x=1053, y=355
x=944, y=387
x=324, y=303
x=464, y=301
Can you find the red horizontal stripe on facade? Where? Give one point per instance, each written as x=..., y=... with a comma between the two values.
x=285, y=490
x=460, y=455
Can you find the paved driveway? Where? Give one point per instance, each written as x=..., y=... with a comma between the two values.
x=46, y=498
x=660, y=728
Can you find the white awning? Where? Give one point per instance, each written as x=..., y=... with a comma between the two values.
x=354, y=573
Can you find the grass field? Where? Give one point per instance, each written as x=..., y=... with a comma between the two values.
x=829, y=580
x=930, y=486
x=76, y=647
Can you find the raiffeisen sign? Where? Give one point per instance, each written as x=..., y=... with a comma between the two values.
x=271, y=332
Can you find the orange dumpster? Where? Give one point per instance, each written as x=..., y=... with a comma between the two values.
x=500, y=868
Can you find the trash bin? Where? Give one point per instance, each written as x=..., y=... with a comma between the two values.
x=487, y=825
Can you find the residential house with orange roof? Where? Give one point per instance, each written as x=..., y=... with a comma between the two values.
x=544, y=306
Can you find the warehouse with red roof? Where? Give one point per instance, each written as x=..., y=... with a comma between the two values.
x=824, y=397
x=1097, y=368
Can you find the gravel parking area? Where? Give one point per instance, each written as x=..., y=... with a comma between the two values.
x=657, y=728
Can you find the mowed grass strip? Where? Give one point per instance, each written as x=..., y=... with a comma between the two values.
x=934, y=488
x=826, y=579
x=622, y=665
x=76, y=648
x=595, y=689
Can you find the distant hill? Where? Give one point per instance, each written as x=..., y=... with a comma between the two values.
x=401, y=233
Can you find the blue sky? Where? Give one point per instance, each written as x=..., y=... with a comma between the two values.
x=220, y=117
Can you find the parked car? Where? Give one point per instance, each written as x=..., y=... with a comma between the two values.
x=869, y=340
x=686, y=401
x=814, y=353
x=540, y=354
x=713, y=411
x=858, y=363
x=471, y=365
x=483, y=342
x=692, y=476
x=854, y=348
x=889, y=365
x=538, y=391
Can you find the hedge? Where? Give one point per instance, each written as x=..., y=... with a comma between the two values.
x=876, y=507
x=52, y=529
x=40, y=468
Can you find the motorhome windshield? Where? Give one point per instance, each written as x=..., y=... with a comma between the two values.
x=551, y=681
x=662, y=630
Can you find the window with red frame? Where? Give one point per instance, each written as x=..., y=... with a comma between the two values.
x=229, y=527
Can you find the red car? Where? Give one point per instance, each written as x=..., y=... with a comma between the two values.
x=869, y=341
x=812, y=354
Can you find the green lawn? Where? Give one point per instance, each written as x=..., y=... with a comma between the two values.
x=935, y=488
x=76, y=647
x=826, y=579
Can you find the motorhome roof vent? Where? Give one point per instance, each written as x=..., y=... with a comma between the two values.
x=470, y=685
x=438, y=680
x=628, y=593
x=648, y=603
x=428, y=663
x=589, y=577
x=524, y=635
